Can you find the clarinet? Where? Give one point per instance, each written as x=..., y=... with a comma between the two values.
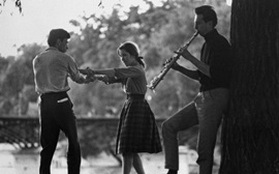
x=167, y=65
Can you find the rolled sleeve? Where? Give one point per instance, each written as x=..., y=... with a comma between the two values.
x=74, y=73
x=130, y=71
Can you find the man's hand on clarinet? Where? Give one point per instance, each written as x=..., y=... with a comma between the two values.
x=175, y=66
x=183, y=52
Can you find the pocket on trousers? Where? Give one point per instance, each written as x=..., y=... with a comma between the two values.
x=62, y=100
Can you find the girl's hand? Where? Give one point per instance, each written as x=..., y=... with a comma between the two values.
x=90, y=78
x=87, y=71
x=103, y=78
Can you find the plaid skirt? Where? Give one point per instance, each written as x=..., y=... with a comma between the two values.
x=137, y=129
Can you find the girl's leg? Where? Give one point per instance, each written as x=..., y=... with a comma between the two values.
x=127, y=163
x=138, y=164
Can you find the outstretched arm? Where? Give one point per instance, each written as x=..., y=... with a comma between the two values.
x=109, y=72
x=105, y=75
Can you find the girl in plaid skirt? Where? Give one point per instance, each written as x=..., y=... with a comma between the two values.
x=137, y=130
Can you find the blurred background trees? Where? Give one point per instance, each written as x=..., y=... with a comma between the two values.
x=158, y=31
x=17, y=4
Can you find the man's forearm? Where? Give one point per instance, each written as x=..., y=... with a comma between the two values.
x=202, y=67
x=189, y=73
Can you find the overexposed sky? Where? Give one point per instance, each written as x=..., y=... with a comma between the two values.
x=40, y=16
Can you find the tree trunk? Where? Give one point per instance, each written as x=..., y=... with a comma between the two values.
x=250, y=134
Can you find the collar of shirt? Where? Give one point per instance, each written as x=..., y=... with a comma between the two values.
x=210, y=35
x=52, y=48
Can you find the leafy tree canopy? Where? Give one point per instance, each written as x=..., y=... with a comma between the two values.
x=159, y=30
x=17, y=3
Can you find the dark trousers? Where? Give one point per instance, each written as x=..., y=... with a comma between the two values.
x=206, y=110
x=56, y=114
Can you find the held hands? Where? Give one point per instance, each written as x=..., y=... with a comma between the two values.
x=92, y=76
x=89, y=75
x=87, y=71
x=103, y=78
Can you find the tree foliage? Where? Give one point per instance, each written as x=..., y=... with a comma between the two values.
x=159, y=30
x=17, y=3
x=17, y=81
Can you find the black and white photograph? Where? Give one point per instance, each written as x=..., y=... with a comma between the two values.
x=139, y=87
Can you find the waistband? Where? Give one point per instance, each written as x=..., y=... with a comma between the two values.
x=214, y=91
x=137, y=96
x=54, y=94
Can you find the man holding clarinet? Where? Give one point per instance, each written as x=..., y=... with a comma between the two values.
x=206, y=110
